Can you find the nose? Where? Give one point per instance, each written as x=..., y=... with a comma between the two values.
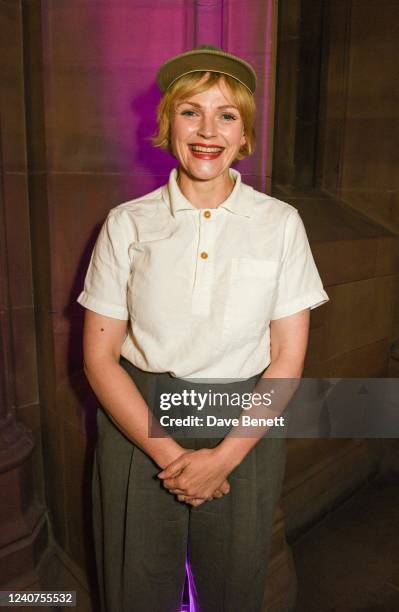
x=207, y=127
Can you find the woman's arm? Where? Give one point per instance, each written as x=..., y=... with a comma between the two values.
x=288, y=344
x=116, y=391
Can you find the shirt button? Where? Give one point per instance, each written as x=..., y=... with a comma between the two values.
x=207, y=214
x=204, y=255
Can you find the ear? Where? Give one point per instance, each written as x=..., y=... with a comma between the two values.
x=243, y=140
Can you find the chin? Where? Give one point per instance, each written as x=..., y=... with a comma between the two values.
x=206, y=174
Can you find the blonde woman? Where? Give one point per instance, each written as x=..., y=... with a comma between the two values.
x=204, y=278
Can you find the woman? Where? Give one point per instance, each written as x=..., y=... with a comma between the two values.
x=204, y=278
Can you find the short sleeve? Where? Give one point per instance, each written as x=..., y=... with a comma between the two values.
x=105, y=285
x=299, y=283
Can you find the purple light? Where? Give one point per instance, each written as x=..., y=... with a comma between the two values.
x=191, y=590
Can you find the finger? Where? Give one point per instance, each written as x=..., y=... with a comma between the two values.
x=196, y=501
x=171, y=483
x=224, y=487
x=186, y=498
x=177, y=465
x=171, y=471
x=191, y=501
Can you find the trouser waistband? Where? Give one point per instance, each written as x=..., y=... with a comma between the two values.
x=174, y=398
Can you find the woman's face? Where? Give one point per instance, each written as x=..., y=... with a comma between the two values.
x=207, y=132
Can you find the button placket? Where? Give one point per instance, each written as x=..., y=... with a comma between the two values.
x=202, y=290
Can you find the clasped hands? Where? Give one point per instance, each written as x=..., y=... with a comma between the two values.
x=197, y=476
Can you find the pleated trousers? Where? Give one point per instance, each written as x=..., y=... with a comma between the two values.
x=144, y=537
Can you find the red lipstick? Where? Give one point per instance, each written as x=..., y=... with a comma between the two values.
x=205, y=151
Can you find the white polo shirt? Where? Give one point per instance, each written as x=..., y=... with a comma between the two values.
x=199, y=287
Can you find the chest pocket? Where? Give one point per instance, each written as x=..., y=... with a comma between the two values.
x=250, y=297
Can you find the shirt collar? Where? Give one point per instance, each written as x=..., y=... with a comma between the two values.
x=240, y=201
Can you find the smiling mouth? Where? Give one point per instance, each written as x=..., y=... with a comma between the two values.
x=205, y=153
x=209, y=150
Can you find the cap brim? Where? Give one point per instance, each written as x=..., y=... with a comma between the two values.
x=206, y=61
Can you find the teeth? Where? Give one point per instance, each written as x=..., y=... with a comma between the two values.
x=206, y=149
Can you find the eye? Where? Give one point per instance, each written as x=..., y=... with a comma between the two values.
x=188, y=113
x=228, y=117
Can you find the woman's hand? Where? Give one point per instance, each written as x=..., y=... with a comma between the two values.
x=197, y=474
x=193, y=501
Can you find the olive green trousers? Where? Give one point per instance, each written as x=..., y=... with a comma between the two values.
x=143, y=535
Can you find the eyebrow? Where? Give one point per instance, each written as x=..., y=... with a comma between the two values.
x=199, y=105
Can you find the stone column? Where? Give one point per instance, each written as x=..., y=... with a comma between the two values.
x=22, y=522
x=208, y=22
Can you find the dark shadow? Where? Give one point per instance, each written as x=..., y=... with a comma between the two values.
x=154, y=161
x=89, y=404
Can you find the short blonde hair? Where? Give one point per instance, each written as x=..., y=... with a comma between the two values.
x=188, y=85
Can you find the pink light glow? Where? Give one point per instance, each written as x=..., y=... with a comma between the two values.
x=126, y=104
x=191, y=589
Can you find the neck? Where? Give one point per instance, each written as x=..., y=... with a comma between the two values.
x=205, y=194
